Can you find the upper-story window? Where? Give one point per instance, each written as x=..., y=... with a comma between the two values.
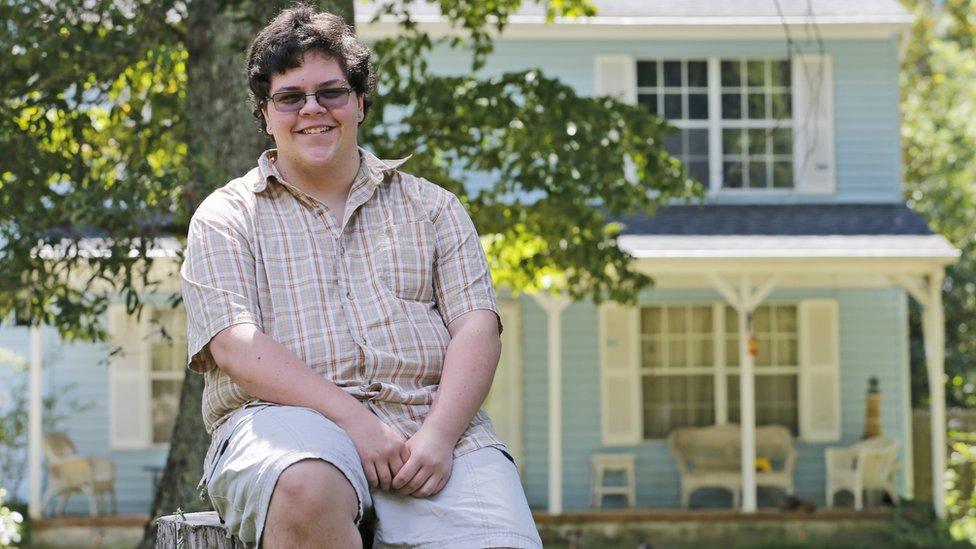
x=678, y=91
x=746, y=103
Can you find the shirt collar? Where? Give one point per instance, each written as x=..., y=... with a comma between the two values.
x=375, y=168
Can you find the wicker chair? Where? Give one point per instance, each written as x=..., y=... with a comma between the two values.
x=67, y=473
x=867, y=466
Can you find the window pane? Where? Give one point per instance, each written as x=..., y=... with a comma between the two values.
x=782, y=109
x=760, y=319
x=783, y=141
x=701, y=320
x=698, y=142
x=731, y=73
x=677, y=323
x=733, y=141
x=677, y=353
x=698, y=170
x=732, y=351
x=698, y=106
x=732, y=175
x=731, y=321
x=776, y=400
x=786, y=353
x=731, y=106
x=672, y=73
x=757, y=73
x=697, y=74
x=648, y=101
x=672, y=106
x=781, y=73
x=677, y=401
x=783, y=174
x=765, y=355
x=651, y=353
x=647, y=73
x=757, y=142
x=757, y=106
x=757, y=173
x=169, y=356
x=703, y=353
x=651, y=320
x=165, y=405
x=673, y=143
x=786, y=319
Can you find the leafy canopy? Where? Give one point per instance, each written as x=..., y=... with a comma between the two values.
x=93, y=121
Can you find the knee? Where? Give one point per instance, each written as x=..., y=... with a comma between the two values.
x=313, y=489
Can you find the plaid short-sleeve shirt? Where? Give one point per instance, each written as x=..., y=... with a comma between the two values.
x=364, y=301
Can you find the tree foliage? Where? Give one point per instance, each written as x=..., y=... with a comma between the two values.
x=939, y=141
x=118, y=118
x=93, y=121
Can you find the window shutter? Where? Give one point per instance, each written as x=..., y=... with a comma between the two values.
x=616, y=76
x=819, y=370
x=128, y=393
x=814, y=163
x=620, y=387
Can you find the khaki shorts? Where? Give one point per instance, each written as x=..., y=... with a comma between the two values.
x=482, y=505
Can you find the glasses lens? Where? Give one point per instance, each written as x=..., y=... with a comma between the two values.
x=288, y=101
x=332, y=98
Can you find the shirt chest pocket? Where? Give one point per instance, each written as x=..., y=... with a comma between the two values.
x=407, y=259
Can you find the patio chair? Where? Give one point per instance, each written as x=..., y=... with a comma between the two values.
x=867, y=466
x=626, y=465
x=67, y=473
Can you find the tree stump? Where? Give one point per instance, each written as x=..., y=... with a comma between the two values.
x=193, y=531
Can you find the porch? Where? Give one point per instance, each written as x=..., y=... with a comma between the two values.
x=845, y=291
x=660, y=528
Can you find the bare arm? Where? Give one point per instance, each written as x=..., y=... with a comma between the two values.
x=469, y=367
x=268, y=370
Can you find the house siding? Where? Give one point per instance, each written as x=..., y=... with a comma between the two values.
x=866, y=99
x=871, y=324
x=78, y=372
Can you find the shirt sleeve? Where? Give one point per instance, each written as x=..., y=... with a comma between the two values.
x=462, y=279
x=218, y=277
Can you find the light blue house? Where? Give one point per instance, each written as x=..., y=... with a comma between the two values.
x=788, y=111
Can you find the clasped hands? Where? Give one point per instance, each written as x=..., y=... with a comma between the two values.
x=418, y=467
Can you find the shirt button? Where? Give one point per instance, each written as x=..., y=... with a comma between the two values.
x=342, y=250
x=364, y=340
x=349, y=295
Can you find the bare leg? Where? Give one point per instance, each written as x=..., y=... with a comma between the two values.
x=313, y=505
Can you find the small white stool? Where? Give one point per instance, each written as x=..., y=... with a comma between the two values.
x=604, y=463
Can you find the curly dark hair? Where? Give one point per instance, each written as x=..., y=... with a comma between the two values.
x=295, y=31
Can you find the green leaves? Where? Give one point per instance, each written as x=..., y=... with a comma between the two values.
x=94, y=125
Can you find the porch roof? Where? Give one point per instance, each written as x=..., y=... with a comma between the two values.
x=800, y=231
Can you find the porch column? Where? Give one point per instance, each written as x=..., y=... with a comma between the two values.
x=928, y=294
x=744, y=301
x=34, y=433
x=554, y=305
x=933, y=329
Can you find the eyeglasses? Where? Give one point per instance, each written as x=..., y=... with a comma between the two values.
x=329, y=98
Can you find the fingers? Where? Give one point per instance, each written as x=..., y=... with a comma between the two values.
x=432, y=486
x=406, y=474
x=371, y=477
x=383, y=475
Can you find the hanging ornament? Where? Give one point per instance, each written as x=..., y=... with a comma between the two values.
x=753, y=346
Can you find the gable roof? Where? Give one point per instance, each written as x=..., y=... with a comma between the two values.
x=709, y=12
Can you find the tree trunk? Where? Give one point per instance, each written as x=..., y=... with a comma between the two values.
x=224, y=142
